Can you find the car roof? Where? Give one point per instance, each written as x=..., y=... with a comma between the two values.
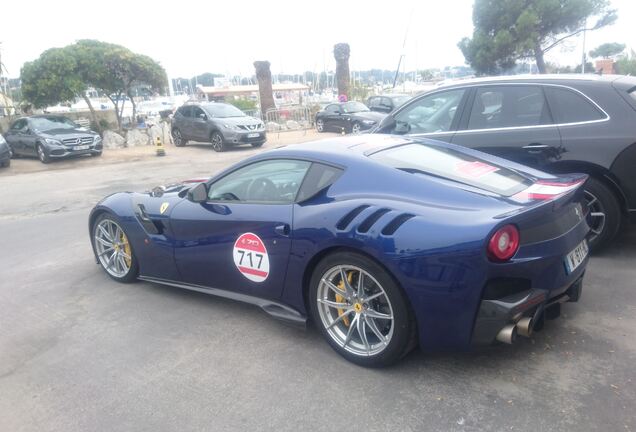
x=532, y=78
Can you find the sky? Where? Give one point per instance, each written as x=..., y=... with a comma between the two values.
x=194, y=37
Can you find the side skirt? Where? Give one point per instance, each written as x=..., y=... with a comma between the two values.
x=276, y=310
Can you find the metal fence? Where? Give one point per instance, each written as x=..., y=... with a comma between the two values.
x=293, y=118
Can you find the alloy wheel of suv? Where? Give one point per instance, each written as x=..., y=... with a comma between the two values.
x=178, y=139
x=217, y=142
x=44, y=158
x=604, y=213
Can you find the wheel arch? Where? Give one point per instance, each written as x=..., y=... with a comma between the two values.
x=598, y=172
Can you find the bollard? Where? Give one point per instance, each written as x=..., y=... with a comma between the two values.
x=159, y=147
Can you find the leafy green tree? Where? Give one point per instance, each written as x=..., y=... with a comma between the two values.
x=508, y=30
x=607, y=50
x=626, y=65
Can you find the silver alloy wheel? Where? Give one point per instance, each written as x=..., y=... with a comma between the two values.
x=177, y=137
x=355, y=310
x=597, y=214
x=41, y=154
x=320, y=125
x=112, y=247
x=217, y=142
x=355, y=129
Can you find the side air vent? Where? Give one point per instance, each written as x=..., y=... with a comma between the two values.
x=373, y=218
x=346, y=219
x=397, y=222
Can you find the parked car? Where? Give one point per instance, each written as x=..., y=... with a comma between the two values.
x=382, y=241
x=5, y=153
x=557, y=123
x=221, y=124
x=50, y=137
x=387, y=102
x=351, y=117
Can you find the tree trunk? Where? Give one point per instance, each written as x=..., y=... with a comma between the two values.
x=134, y=107
x=341, y=53
x=538, y=54
x=90, y=107
x=116, y=111
x=266, y=94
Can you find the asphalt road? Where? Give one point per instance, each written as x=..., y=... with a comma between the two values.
x=80, y=352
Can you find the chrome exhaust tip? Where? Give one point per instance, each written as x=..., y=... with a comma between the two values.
x=508, y=334
x=524, y=326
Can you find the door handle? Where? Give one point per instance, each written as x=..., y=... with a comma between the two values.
x=536, y=148
x=283, y=230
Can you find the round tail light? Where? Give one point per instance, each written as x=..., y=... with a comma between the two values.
x=504, y=243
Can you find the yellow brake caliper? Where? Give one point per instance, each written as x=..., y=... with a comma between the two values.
x=124, y=241
x=341, y=299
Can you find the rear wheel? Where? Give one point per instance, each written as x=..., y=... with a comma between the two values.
x=178, y=138
x=218, y=144
x=43, y=155
x=604, y=213
x=356, y=128
x=320, y=125
x=360, y=310
x=113, y=249
x=6, y=163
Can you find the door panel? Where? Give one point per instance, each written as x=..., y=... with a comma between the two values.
x=206, y=235
x=512, y=122
x=199, y=125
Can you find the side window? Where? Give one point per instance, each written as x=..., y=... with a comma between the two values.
x=387, y=102
x=19, y=126
x=187, y=111
x=333, y=108
x=373, y=102
x=273, y=181
x=318, y=178
x=196, y=112
x=508, y=106
x=569, y=106
x=431, y=113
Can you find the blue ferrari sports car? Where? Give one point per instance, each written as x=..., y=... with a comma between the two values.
x=384, y=242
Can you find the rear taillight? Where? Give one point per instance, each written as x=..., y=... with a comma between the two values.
x=504, y=243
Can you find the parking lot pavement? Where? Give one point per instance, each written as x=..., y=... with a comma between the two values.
x=81, y=352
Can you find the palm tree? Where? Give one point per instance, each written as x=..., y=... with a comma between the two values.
x=266, y=94
x=341, y=53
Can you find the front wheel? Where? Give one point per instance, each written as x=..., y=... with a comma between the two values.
x=320, y=125
x=42, y=155
x=113, y=249
x=360, y=310
x=217, y=141
x=178, y=138
x=604, y=216
x=257, y=144
x=356, y=128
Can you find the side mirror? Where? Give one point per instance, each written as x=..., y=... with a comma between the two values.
x=198, y=193
x=401, y=128
x=386, y=125
x=203, y=116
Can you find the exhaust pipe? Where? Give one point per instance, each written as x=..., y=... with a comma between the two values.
x=508, y=334
x=524, y=326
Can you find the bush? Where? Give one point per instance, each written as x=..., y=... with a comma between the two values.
x=243, y=104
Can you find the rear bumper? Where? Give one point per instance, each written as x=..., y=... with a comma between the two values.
x=495, y=315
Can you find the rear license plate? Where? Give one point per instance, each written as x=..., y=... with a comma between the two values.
x=576, y=257
x=253, y=135
x=82, y=147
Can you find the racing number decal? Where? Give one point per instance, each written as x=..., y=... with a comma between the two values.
x=250, y=257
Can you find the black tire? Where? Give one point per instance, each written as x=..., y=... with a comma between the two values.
x=43, y=156
x=258, y=144
x=403, y=338
x=320, y=125
x=6, y=164
x=133, y=271
x=218, y=143
x=602, y=199
x=178, y=139
x=98, y=154
x=356, y=128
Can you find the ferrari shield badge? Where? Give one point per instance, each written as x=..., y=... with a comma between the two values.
x=250, y=257
x=163, y=207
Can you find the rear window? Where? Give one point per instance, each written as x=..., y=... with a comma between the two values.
x=453, y=165
x=571, y=107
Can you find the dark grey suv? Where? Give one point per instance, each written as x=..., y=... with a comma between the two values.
x=557, y=123
x=220, y=124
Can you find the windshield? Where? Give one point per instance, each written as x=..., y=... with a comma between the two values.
x=49, y=123
x=354, y=107
x=453, y=165
x=223, y=110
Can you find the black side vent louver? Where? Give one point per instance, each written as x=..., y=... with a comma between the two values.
x=373, y=218
x=346, y=219
x=397, y=222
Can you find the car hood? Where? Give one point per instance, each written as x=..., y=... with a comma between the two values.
x=61, y=134
x=369, y=115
